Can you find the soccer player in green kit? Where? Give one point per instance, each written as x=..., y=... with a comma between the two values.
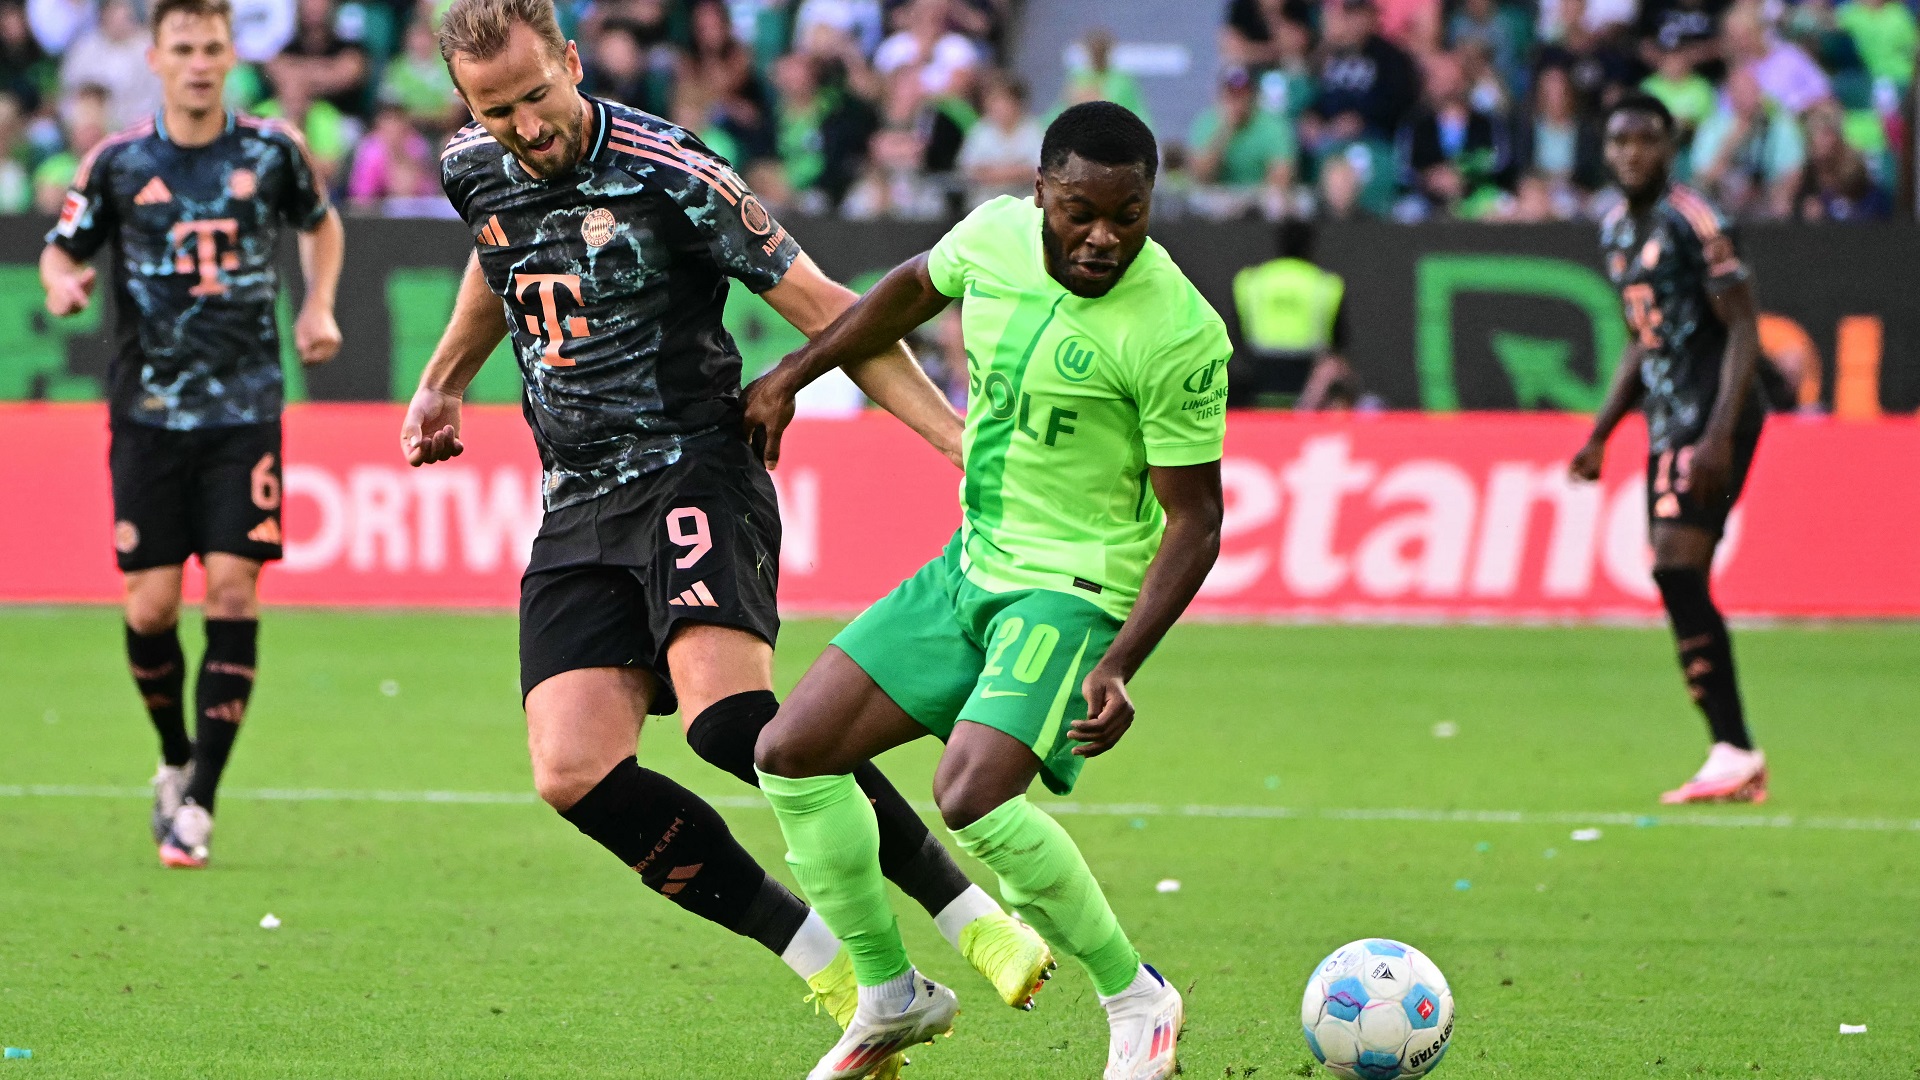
x=1092, y=512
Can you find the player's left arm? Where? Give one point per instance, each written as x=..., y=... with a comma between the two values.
x=1730, y=287
x=1191, y=496
x=811, y=301
x=323, y=249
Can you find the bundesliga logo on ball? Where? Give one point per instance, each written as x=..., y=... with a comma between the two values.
x=1377, y=1010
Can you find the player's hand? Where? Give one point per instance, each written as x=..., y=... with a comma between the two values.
x=69, y=294
x=1109, y=712
x=431, y=431
x=767, y=410
x=1709, y=469
x=316, y=335
x=1586, y=464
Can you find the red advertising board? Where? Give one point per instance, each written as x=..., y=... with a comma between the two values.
x=1392, y=516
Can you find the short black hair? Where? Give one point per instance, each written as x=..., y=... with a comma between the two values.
x=1644, y=104
x=1293, y=238
x=1101, y=132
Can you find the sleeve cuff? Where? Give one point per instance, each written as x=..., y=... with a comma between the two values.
x=1174, y=455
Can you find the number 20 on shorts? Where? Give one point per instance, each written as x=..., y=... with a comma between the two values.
x=1031, y=661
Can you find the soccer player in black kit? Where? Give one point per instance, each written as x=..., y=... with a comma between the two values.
x=603, y=241
x=191, y=202
x=1691, y=367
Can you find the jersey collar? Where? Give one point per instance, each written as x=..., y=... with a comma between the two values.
x=160, y=124
x=601, y=122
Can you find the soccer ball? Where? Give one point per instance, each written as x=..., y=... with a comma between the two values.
x=1377, y=1010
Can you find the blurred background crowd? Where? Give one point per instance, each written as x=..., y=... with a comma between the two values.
x=1405, y=110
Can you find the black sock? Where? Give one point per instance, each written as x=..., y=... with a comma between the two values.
x=1706, y=652
x=910, y=856
x=160, y=672
x=683, y=850
x=220, y=701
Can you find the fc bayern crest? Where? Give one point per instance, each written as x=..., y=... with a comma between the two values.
x=755, y=217
x=242, y=183
x=597, y=229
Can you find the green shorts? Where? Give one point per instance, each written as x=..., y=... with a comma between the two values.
x=946, y=650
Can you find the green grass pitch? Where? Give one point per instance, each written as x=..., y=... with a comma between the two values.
x=489, y=939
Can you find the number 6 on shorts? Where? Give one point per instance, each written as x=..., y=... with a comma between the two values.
x=698, y=540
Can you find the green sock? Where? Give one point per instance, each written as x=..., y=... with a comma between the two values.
x=833, y=845
x=1045, y=879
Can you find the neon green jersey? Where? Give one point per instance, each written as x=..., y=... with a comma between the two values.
x=1071, y=400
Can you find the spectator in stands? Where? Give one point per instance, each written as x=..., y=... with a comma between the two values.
x=1503, y=31
x=1747, y=155
x=26, y=72
x=1287, y=88
x=619, y=67
x=1002, y=151
x=1557, y=142
x=822, y=129
x=394, y=170
x=1535, y=199
x=1685, y=92
x=1098, y=80
x=1835, y=185
x=1292, y=318
x=895, y=183
x=944, y=62
x=57, y=24
x=84, y=124
x=859, y=20
x=16, y=186
x=113, y=55
x=1250, y=34
x=1885, y=35
x=1238, y=145
x=1453, y=154
x=718, y=88
x=1784, y=70
x=320, y=65
x=1562, y=20
x=417, y=82
x=1688, y=27
x=1367, y=86
x=1414, y=25
x=1340, y=188
x=262, y=28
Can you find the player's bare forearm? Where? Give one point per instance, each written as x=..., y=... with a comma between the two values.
x=889, y=311
x=1191, y=496
x=431, y=431
x=1623, y=395
x=68, y=282
x=1737, y=310
x=895, y=381
x=323, y=250
x=475, y=329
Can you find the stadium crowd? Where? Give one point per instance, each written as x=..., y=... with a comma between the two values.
x=1398, y=109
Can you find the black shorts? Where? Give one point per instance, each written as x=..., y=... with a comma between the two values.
x=1669, y=495
x=181, y=493
x=610, y=578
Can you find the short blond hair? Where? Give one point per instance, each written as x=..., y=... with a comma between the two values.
x=481, y=28
x=211, y=9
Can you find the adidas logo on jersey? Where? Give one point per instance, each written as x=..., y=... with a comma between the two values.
x=696, y=596
x=492, y=234
x=156, y=191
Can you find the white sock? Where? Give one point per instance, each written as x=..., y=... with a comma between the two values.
x=1144, y=981
x=890, y=997
x=812, y=949
x=965, y=908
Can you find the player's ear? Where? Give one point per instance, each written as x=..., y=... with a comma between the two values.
x=574, y=71
x=153, y=57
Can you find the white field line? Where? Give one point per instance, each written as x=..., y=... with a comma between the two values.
x=1126, y=810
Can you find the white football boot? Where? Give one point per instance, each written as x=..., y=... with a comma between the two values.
x=1145, y=1019
x=876, y=1034
x=185, y=846
x=169, y=787
x=1730, y=775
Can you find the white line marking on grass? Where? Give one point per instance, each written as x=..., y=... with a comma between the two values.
x=1080, y=809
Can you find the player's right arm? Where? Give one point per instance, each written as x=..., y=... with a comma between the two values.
x=875, y=323
x=431, y=431
x=69, y=282
x=87, y=222
x=1623, y=395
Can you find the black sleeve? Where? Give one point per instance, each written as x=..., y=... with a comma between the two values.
x=745, y=240
x=303, y=201
x=87, y=217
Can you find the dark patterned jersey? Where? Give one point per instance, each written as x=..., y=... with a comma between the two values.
x=614, y=278
x=1667, y=268
x=193, y=230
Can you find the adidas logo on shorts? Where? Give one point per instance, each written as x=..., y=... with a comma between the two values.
x=696, y=596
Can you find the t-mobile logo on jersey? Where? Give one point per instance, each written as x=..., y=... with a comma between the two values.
x=206, y=256
x=549, y=326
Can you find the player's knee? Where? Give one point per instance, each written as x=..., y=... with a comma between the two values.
x=232, y=600
x=561, y=783
x=153, y=615
x=963, y=797
x=777, y=753
x=726, y=733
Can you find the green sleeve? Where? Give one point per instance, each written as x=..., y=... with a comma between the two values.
x=1181, y=391
x=947, y=263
